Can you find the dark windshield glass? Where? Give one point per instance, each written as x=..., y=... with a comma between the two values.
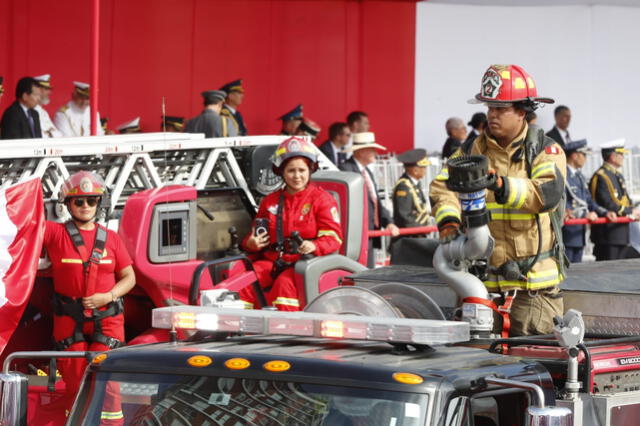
x=146, y=399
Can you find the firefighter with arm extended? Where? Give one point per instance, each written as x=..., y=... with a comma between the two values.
x=527, y=263
x=299, y=206
x=91, y=273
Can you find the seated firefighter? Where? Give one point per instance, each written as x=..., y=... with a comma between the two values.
x=298, y=206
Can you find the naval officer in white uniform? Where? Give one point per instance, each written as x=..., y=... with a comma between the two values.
x=74, y=118
x=49, y=130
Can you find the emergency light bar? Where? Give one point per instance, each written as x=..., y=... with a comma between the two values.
x=392, y=330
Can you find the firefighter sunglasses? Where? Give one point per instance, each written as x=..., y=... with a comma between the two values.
x=91, y=201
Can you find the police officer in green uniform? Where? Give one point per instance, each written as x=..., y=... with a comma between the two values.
x=608, y=190
x=410, y=207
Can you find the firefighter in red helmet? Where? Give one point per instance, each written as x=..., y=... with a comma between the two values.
x=299, y=206
x=525, y=219
x=91, y=272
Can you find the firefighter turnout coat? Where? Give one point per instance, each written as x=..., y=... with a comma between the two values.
x=513, y=216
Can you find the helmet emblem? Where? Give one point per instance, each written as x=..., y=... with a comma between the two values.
x=491, y=83
x=86, y=185
x=294, y=146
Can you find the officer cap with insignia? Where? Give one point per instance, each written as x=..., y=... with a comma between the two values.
x=577, y=146
x=309, y=127
x=44, y=80
x=414, y=157
x=132, y=126
x=81, y=88
x=213, y=96
x=177, y=122
x=294, y=114
x=610, y=147
x=1, y=86
x=233, y=86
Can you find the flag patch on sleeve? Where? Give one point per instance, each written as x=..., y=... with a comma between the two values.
x=553, y=149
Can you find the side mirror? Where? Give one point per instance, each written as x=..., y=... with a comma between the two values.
x=13, y=399
x=549, y=416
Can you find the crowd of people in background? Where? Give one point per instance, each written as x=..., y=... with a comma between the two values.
x=351, y=146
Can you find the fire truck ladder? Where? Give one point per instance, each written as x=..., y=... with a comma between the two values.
x=131, y=163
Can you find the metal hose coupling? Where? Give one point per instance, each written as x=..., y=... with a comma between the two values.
x=469, y=177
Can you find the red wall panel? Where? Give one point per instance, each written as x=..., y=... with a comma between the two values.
x=334, y=56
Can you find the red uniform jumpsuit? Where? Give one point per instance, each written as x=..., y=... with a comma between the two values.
x=69, y=280
x=312, y=212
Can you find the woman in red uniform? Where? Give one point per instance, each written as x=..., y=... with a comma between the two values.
x=91, y=272
x=299, y=206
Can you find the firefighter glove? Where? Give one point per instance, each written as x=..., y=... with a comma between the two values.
x=498, y=183
x=449, y=231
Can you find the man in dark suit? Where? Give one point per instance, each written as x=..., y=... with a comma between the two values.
x=478, y=123
x=364, y=153
x=235, y=96
x=559, y=133
x=608, y=190
x=334, y=148
x=579, y=203
x=20, y=120
x=457, y=133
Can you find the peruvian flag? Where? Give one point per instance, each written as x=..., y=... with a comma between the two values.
x=21, y=233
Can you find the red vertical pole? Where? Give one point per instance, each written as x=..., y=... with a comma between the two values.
x=95, y=55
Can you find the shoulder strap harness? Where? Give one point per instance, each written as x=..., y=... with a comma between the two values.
x=64, y=305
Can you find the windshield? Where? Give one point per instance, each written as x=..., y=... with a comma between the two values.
x=151, y=399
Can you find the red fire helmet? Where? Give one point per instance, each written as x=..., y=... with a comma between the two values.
x=82, y=184
x=294, y=147
x=508, y=84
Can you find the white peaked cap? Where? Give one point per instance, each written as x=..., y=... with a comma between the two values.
x=133, y=123
x=81, y=85
x=43, y=77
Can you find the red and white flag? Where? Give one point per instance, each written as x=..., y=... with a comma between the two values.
x=21, y=233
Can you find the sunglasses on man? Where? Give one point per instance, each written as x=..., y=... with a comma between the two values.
x=91, y=201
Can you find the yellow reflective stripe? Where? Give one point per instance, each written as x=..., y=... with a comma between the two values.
x=535, y=281
x=71, y=261
x=111, y=415
x=517, y=192
x=444, y=174
x=542, y=169
x=329, y=233
x=247, y=305
x=514, y=216
x=500, y=212
x=446, y=211
x=287, y=301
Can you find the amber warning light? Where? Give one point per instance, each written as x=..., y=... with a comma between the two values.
x=393, y=330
